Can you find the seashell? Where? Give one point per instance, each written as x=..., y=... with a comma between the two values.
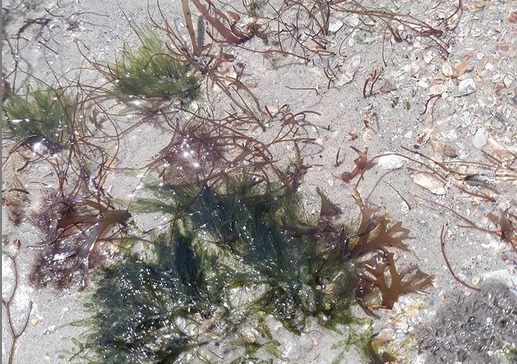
x=437, y=89
x=335, y=26
x=447, y=69
x=467, y=85
x=424, y=136
x=460, y=68
x=351, y=67
x=479, y=139
x=389, y=162
x=428, y=57
x=430, y=182
x=442, y=149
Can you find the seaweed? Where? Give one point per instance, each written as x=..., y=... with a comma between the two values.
x=153, y=72
x=14, y=199
x=225, y=239
x=375, y=235
x=157, y=310
x=9, y=301
x=376, y=268
x=362, y=164
x=41, y=119
x=195, y=153
x=237, y=249
x=225, y=27
x=74, y=230
x=140, y=303
x=392, y=286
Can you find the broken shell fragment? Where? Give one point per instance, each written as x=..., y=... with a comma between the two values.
x=479, y=140
x=351, y=67
x=430, y=182
x=467, y=85
x=335, y=26
x=447, y=69
x=460, y=68
x=443, y=149
x=437, y=89
x=424, y=136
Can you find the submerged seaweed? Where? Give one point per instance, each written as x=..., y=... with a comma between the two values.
x=42, y=118
x=152, y=72
x=223, y=243
x=141, y=304
x=235, y=254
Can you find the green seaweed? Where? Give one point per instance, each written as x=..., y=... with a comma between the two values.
x=225, y=240
x=43, y=115
x=138, y=303
x=152, y=71
x=358, y=338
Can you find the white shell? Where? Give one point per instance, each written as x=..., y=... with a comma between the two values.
x=430, y=182
x=389, y=162
x=479, y=140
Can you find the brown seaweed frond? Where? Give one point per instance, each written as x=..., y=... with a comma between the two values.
x=375, y=232
x=362, y=164
x=73, y=242
x=225, y=25
x=379, y=273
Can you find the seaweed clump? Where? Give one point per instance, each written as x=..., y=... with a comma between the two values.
x=41, y=119
x=74, y=231
x=153, y=72
x=233, y=256
x=236, y=254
